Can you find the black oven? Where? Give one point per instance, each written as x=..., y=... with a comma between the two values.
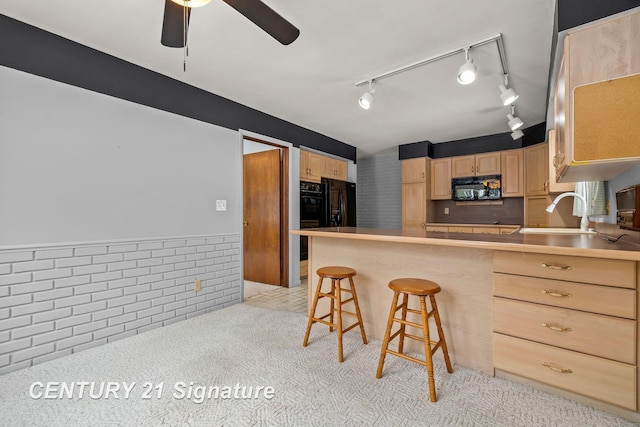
x=311, y=212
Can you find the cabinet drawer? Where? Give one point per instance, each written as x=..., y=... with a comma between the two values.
x=591, y=376
x=604, y=336
x=607, y=272
x=579, y=296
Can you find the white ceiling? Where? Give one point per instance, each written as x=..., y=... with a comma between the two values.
x=311, y=82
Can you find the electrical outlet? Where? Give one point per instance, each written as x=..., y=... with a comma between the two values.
x=446, y=211
x=197, y=285
x=221, y=205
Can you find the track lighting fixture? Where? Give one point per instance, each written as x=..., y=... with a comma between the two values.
x=192, y=3
x=517, y=134
x=508, y=96
x=367, y=98
x=515, y=123
x=467, y=72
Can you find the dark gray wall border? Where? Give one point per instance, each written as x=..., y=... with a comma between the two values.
x=35, y=51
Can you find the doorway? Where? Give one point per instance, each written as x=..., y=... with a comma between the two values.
x=265, y=212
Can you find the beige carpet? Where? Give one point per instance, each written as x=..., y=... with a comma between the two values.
x=251, y=347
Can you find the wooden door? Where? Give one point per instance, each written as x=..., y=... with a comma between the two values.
x=262, y=217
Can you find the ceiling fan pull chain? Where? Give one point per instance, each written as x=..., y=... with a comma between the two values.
x=185, y=23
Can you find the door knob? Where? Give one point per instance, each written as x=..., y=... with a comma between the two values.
x=245, y=223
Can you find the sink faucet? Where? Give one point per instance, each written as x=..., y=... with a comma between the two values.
x=584, y=223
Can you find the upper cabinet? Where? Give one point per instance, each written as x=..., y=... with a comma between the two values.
x=441, y=179
x=414, y=170
x=314, y=166
x=537, y=170
x=554, y=186
x=334, y=168
x=597, y=99
x=476, y=165
x=512, y=166
x=415, y=192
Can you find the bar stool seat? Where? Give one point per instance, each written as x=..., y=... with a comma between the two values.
x=422, y=289
x=336, y=274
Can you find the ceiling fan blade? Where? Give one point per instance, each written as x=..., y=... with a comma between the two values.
x=267, y=19
x=173, y=24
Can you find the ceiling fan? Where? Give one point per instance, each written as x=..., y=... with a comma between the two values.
x=178, y=12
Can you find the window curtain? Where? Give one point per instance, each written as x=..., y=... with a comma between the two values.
x=596, y=196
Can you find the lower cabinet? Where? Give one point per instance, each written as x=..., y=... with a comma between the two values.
x=569, y=322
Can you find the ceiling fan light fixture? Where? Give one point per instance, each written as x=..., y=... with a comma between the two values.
x=192, y=3
x=367, y=98
x=517, y=134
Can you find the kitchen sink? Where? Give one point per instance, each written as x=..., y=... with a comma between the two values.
x=556, y=231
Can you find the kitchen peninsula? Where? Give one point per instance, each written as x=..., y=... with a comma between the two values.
x=497, y=291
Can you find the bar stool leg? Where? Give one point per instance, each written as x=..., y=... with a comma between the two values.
x=387, y=334
x=443, y=343
x=332, y=306
x=338, y=295
x=316, y=296
x=427, y=348
x=358, y=315
x=405, y=303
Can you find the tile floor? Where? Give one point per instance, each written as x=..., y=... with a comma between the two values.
x=276, y=297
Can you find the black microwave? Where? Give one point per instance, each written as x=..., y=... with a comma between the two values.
x=476, y=188
x=628, y=207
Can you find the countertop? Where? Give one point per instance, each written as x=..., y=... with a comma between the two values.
x=593, y=245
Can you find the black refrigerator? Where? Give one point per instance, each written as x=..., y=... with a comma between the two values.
x=339, y=203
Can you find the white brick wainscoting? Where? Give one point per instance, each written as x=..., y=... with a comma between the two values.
x=58, y=300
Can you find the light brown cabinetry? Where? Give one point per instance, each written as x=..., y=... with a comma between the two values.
x=469, y=228
x=441, y=179
x=597, y=81
x=537, y=189
x=554, y=186
x=334, y=168
x=415, y=192
x=476, y=165
x=310, y=166
x=512, y=166
x=569, y=322
x=314, y=166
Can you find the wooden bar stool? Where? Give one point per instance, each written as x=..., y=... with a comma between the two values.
x=336, y=274
x=420, y=288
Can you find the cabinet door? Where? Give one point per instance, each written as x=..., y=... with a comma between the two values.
x=414, y=170
x=414, y=205
x=536, y=170
x=441, y=179
x=488, y=164
x=462, y=166
x=512, y=173
x=554, y=165
x=341, y=169
x=315, y=167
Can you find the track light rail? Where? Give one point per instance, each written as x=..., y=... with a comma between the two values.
x=497, y=39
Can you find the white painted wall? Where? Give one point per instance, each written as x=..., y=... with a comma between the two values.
x=77, y=166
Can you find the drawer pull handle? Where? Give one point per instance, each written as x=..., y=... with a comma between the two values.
x=556, y=294
x=556, y=328
x=556, y=369
x=556, y=267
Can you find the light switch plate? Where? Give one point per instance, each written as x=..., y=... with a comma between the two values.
x=221, y=205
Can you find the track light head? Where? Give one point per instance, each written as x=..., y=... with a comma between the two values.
x=515, y=123
x=468, y=70
x=508, y=96
x=517, y=134
x=367, y=98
